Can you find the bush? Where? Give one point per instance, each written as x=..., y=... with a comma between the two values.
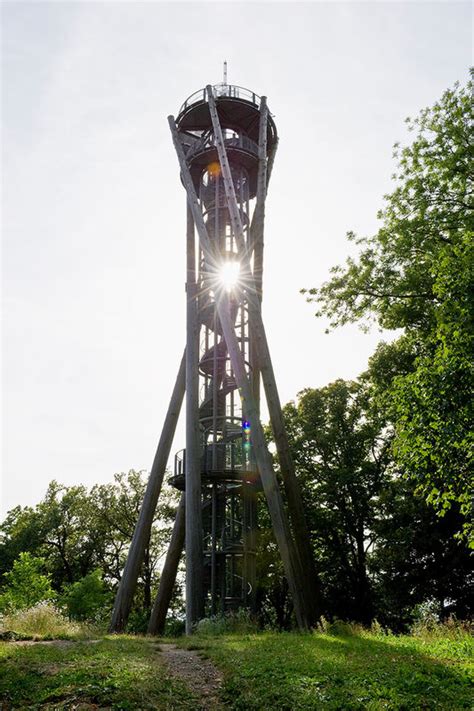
x=323, y=625
x=427, y=613
x=174, y=627
x=138, y=621
x=337, y=627
x=41, y=620
x=239, y=621
x=87, y=599
x=377, y=629
x=25, y=584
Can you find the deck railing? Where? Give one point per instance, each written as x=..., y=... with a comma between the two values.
x=230, y=90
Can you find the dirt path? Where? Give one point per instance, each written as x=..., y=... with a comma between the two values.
x=45, y=642
x=199, y=674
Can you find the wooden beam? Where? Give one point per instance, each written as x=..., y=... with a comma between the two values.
x=141, y=535
x=250, y=499
x=194, y=531
x=156, y=625
x=256, y=230
x=256, y=237
x=257, y=224
x=271, y=160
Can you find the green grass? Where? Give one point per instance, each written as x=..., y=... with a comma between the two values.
x=267, y=671
x=118, y=673
x=357, y=672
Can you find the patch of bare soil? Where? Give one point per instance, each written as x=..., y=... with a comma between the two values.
x=53, y=642
x=72, y=705
x=48, y=642
x=199, y=674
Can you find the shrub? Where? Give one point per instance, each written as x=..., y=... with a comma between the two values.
x=377, y=629
x=25, y=584
x=138, y=621
x=323, y=625
x=174, y=627
x=88, y=598
x=239, y=621
x=427, y=612
x=426, y=617
x=339, y=628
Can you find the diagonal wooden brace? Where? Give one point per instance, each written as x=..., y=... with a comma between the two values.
x=156, y=625
x=141, y=535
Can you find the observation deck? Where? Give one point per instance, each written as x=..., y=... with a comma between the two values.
x=238, y=109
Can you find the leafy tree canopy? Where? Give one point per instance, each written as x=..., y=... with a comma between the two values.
x=77, y=531
x=86, y=598
x=25, y=584
x=341, y=453
x=380, y=550
x=416, y=274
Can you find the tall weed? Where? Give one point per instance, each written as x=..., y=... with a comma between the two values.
x=451, y=628
x=239, y=621
x=42, y=620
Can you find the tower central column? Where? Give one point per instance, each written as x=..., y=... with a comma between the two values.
x=194, y=541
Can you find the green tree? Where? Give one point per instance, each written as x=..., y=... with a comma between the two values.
x=116, y=508
x=19, y=532
x=61, y=529
x=341, y=452
x=77, y=531
x=86, y=598
x=416, y=558
x=71, y=537
x=380, y=549
x=416, y=274
x=25, y=584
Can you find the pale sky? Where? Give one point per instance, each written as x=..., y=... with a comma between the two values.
x=93, y=218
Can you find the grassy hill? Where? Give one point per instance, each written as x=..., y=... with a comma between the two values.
x=356, y=671
x=263, y=671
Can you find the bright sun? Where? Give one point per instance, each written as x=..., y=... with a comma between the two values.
x=229, y=273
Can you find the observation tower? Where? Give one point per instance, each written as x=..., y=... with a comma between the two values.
x=225, y=140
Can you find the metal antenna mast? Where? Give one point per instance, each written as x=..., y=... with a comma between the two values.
x=225, y=140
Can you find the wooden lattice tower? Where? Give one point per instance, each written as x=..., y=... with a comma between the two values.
x=225, y=140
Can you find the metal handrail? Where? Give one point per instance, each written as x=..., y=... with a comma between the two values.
x=225, y=358
x=243, y=142
x=206, y=391
x=218, y=90
x=179, y=462
x=231, y=420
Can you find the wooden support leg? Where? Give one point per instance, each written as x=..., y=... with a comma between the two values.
x=141, y=536
x=156, y=624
